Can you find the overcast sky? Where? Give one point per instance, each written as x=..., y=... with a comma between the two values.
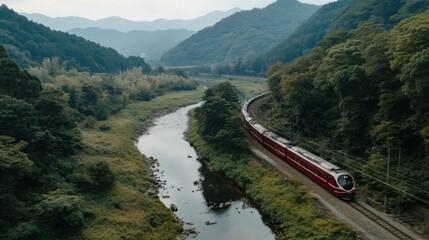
x=136, y=9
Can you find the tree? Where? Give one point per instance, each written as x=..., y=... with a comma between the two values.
x=59, y=136
x=15, y=82
x=219, y=118
x=18, y=118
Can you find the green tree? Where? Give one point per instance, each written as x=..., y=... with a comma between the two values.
x=15, y=82
x=219, y=118
x=59, y=136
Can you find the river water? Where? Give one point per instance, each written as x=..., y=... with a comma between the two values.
x=206, y=202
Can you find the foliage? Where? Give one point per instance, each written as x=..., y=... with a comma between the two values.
x=101, y=175
x=61, y=210
x=240, y=36
x=219, y=119
x=52, y=182
x=362, y=92
x=101, y=95
x=15, y=82
x=28, y=43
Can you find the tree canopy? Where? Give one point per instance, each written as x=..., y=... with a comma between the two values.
x=219, y=119
x=363, y=92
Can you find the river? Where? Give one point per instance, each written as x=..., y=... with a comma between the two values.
x=209, y=205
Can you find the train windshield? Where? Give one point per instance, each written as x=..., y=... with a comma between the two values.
x=346, y=182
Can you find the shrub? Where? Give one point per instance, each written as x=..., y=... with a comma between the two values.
x=104, y=128
x=101, y=177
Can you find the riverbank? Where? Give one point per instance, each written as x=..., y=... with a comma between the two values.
x=286, y=203
x=130, y=209
x=209, y=206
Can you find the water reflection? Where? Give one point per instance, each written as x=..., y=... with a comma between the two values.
x=216, y=208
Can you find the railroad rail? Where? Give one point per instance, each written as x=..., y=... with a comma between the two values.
x=380, y=221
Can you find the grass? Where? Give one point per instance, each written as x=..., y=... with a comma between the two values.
x=130, y=209
x=248, y=86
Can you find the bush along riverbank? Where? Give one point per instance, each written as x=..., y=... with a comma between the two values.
x=286, y=203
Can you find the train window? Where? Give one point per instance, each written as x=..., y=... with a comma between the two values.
x=346, y=182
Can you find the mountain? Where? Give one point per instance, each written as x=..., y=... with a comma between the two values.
x=241, y=35
x=148, y=44
x=303, y=39
x=340, y=15
x=28, y=43
x=120, y=24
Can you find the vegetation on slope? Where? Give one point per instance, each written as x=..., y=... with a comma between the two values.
x=240, y=35
x=284, y=201
x=365, y=93
x=342, y=15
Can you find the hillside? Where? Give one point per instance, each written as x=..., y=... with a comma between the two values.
x=148, y=44
x=120, y=24
x=361, y=99
x=340, y=15
x=242, y=35
x=28, y=43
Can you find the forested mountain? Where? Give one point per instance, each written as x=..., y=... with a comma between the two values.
x=242, y=35
x=148, y=44
x=339, y=15
x=28, y=43
x=67, y=23
x=364, y=92
x=303, y=39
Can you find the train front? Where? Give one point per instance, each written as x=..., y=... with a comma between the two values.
x=347, y=185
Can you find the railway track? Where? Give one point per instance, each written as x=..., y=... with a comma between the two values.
x=380, y=221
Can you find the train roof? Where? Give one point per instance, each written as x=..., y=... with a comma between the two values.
x=279, y=139
x=324, y=164
x=259, y=127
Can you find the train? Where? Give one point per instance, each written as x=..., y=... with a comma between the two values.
x=336, y=180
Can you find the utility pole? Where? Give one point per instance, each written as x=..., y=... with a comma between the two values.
x=399, y=162
x=386, y=199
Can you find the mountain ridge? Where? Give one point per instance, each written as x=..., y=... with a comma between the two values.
x=29, y=43
x=125, y=25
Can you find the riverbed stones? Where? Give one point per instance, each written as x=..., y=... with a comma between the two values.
x=173, y=207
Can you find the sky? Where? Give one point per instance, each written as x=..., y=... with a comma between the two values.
x=137, y=10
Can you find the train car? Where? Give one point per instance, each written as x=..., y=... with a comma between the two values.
x=334, y=179
x=328, y=175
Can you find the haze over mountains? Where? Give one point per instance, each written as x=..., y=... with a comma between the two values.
x=120, y=24
x=148, y=39
x=148, y=44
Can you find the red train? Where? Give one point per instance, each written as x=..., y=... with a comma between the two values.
x=334, y=179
